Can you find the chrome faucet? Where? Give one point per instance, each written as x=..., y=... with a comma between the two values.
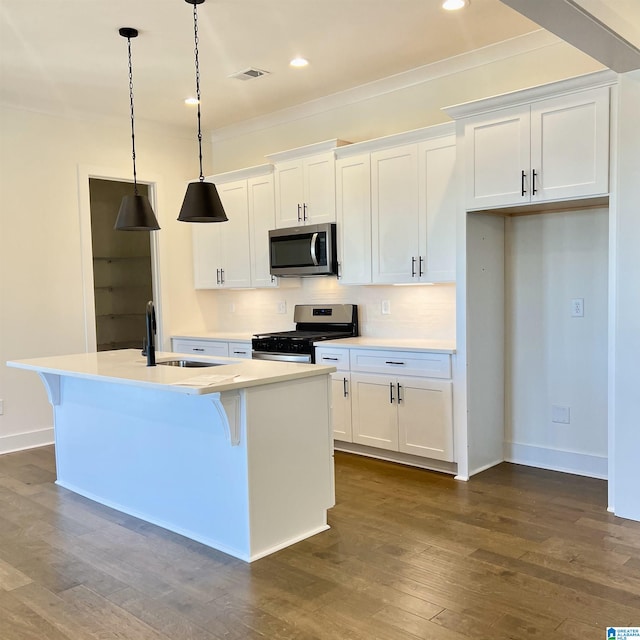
x=148, y=348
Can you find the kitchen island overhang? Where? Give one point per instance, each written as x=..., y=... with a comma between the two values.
x=243, y=463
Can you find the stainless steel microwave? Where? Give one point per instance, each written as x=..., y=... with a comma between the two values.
x=303, y=251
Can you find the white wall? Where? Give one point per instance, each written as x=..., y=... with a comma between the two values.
x=405, y=102
x=41, y=276
x=553, y=358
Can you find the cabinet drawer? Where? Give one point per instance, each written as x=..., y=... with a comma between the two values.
x=240, y=350
x=339, y=358
x=416, y=363
x=201, y=347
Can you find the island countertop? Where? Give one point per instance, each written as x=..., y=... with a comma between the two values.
x=128, y=366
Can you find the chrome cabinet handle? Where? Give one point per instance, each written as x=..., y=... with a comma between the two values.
x=533, y=183
x=197, y=349
x=420, y=269
x=522, y=179
x=399, y=398
x=217, y=276
x=393, y=362
x=221, y=276
x=328, y=358
x=391, y=392
x=345, y=388
x=413, y=266
x=304, y=211
x=242, y=353
x=299, y=213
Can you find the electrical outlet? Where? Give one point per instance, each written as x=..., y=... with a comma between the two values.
x=577, y=308
x=1, y=407
x=386, y=307
x=560, y=414
x=282, y=306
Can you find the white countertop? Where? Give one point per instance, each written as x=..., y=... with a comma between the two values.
x=127, y=366
x=213, y=335
x=403, y=344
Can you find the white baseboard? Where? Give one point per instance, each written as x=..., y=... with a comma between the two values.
x=28, y=440
x=580, y=464
x=395, y=456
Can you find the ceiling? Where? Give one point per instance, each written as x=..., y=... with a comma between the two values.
x=65, y=56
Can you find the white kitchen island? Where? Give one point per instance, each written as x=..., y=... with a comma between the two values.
x=237, y=456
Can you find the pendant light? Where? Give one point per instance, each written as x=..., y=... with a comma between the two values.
x=201, y=202
x=135, y=212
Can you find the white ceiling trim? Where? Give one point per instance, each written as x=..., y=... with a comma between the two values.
x=533, y=41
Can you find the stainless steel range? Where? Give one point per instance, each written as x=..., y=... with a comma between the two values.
x=313, y=323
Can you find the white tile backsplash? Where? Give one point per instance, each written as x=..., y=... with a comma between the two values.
x=422, y=311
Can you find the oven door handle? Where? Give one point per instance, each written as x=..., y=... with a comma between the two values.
x=314, y=241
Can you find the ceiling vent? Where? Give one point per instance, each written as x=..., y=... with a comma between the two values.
x=249, y=74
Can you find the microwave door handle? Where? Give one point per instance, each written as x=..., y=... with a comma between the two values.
x=314, y=240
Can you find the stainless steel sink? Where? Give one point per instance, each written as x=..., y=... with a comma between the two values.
x=188, y=363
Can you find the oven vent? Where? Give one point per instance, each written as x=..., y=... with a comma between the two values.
x=249, y=74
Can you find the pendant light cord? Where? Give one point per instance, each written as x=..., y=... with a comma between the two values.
x=196, y=40
x=133, y=132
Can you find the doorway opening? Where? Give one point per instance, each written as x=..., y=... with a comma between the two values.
x=122, y=269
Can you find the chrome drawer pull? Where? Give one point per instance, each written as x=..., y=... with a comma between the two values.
x=393, y=362
x=197, y=349
x=328, y=358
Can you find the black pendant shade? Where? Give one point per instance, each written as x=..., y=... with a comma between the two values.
x=136, y=214
x=202, y=204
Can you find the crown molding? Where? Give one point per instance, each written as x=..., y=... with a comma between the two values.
x=532, y=41
x=602, y=78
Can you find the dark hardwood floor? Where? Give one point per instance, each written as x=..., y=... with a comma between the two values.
x=514, y=553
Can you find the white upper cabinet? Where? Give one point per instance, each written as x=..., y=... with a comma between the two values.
x=395, y=215
x=220, y=250
x=305, y=184
x=396, y=208
x=548, y=150
x=235, y=254
x=262, y=218
x=353, y=204
x=438, y=203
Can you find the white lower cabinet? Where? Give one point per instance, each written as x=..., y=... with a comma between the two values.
x=341, y=406
x=204, y=347
x=406, y=414
x=340, y=391
x=395, y=400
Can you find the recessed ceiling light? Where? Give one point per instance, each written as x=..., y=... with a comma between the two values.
x=299, y=62
x=454, y=5
x=191, y=101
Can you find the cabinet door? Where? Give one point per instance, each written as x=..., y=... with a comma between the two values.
x=207, y=255
x=234, y=235
x=262, y=218
x=341, y=406
x=353, y=203
x=438, y=205
x=319, y=176
x=425, y=423
x=374, y=411
x=570, y=145
x=497, y=152
x=289, y=190
x=395, y=214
